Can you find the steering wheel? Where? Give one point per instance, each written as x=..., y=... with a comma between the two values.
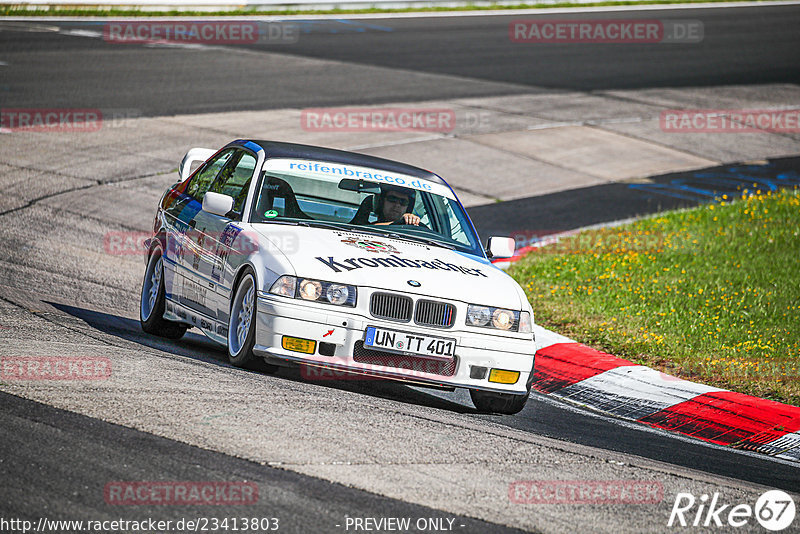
x=400, y=222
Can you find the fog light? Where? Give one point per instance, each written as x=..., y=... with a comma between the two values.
x=477, y=372
x=296, y=344
x=503, y=377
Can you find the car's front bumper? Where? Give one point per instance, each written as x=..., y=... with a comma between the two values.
x=342, y=330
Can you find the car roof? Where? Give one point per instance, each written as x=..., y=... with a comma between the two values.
x=276, y=149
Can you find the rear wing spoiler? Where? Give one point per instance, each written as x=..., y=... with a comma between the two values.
x=194, y=155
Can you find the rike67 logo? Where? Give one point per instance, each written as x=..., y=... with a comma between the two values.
x=774, y=510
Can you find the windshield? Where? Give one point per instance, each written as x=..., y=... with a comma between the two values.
x=344, y=196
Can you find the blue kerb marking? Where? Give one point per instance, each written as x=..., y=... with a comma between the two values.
x=721, y=181
x=732, y=181
x=675, y=190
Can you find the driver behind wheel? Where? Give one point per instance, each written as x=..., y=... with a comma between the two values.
x=394, y=205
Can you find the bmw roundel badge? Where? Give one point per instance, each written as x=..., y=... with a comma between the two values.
x=414, y=283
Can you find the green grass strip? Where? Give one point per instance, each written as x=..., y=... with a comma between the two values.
x=710, y=294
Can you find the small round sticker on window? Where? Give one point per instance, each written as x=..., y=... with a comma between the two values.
x=271, y=214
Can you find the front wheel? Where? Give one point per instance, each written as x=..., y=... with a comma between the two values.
x=151, y=308
x=502, y=403
x=242, y=327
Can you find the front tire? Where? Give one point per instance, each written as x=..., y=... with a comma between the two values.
x=153, y=298
x=242, y=326
x=502, y=403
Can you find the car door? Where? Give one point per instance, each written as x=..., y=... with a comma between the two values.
x=189, y=289
x=216, y=235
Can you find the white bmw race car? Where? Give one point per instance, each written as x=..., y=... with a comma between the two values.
x=297, y=254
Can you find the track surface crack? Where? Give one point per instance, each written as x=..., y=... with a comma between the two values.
x=94, y=183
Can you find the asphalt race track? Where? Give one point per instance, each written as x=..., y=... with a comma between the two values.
x=319, y=451
x=741, y=45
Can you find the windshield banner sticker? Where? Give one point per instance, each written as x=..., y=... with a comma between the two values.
x=393, y=261
x=337, y=171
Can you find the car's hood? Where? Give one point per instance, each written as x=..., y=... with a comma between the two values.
x=395, y=264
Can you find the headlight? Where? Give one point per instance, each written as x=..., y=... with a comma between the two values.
x=285, y=286
x=314, y=290
x=478, y=315
x=337, y=294
x=503, y=319
x=310, y=289
x=499, y=318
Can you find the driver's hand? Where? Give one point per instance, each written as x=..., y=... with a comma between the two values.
x=410, y=218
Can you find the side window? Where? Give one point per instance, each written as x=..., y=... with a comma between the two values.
x=202, y=180
x=455, y=224
x=234, y=180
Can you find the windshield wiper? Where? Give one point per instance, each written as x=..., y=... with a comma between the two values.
x=372, y=230
x=304, y=222
x=325, y=224
x=430, y=241
x=419, y=239
x=283, y=221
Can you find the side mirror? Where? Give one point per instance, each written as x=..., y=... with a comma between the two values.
x=217, y=203
x=194, y=155
x=500, y=247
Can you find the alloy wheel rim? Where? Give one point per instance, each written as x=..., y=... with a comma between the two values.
x=242, y=316
x=155, y=284
x=151, y=287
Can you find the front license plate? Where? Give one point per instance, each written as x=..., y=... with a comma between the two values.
x=408, y=343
